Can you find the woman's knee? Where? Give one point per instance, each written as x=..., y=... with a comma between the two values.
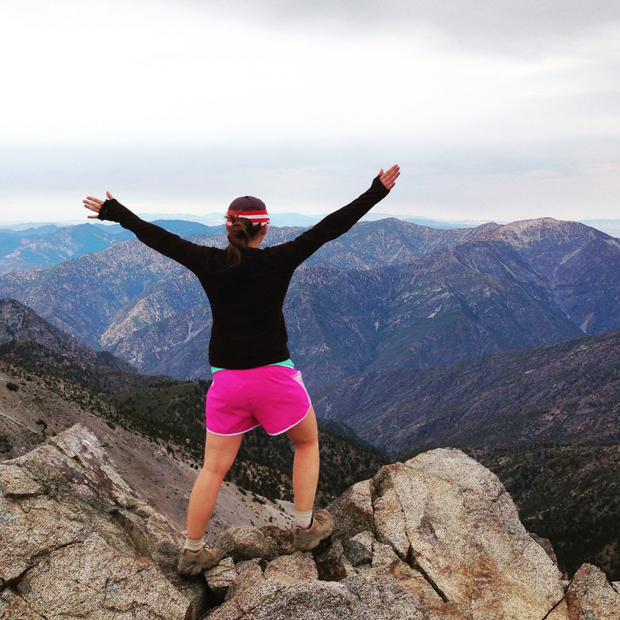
x=220, y=453
x=311, y=442
x=216, y=468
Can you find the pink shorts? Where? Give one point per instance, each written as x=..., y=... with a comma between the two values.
x=273, y=397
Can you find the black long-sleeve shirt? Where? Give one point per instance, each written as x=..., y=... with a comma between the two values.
x=246, y=301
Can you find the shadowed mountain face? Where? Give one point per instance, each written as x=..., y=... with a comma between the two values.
x=387, y=294
x=30, y=342
x=567, y=392
x=20, y=323
x=579, y=264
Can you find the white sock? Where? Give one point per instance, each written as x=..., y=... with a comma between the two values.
x=303, y=519
x=193, y=545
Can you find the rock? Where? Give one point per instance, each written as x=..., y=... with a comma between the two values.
x=307, y=600
x=228, y=611
x=16, y=482
x=13, y=607
x=358, y=548
x=389, y=596
x=225, y=543
x=332, y=564
x=283, y=538
x=247, y=577
x=248, y=543
x=559, y=612
x=390, y=523
x=383, y=598
x=383, y=556
x=545, y=543
x=91, y=579
x=297, y=567
x=221, y=577
x=352, y=511
x=591, y=597
x=152, y=537
x=247, y=600
x=436, y=538
x=413, y=581
x=78, y=542
x=465, y=537
x=244, y=565
x=616, y=585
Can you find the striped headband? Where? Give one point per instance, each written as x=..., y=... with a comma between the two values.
x=249, y=207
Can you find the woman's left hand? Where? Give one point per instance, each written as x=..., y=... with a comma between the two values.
x=94, y=204
x=389, y=178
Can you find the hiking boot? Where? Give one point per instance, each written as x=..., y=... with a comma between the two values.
x=321, y=528
x=194, y=562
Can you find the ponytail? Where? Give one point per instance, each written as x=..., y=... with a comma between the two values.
x=240, y=231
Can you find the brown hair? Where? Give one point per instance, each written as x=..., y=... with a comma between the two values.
x=239, y=234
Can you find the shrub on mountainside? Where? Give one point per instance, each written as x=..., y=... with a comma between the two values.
x=5, y=444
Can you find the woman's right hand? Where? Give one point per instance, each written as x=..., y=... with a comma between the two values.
x=94, y=204
x=389, y=178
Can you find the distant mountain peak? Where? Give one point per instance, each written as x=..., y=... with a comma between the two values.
x=525, y=232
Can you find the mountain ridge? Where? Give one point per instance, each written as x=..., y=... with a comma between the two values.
x=492, y=292
x=473, y=401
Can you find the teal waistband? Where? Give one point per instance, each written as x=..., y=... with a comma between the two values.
x=288, y=363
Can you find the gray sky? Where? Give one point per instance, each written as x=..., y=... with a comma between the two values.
x=494, y=109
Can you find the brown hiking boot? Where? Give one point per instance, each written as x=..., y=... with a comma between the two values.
x=321, y=528
x=194, y=562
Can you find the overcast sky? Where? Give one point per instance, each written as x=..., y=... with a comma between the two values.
x=494, y=109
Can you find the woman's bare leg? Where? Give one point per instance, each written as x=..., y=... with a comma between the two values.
x=220, y=453
x=305, y=436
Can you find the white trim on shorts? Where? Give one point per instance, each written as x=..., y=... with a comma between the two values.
x=292, y=425
x=233, y=434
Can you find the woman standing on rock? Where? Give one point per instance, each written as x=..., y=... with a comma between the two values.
x=254, y=380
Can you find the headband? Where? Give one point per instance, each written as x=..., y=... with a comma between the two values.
x=249, y=207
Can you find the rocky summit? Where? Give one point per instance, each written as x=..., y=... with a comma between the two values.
x=434, y=538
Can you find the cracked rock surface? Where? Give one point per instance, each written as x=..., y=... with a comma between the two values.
x=435, y=538
x=77, y=542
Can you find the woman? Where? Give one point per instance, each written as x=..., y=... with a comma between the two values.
x=254, y=381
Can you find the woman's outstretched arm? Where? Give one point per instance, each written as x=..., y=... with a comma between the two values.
x=188, y=254
x=337, y=223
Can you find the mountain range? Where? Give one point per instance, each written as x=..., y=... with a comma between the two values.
x=498, y=338
x=38, y=246
x=388, y=294
x=567, y=393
